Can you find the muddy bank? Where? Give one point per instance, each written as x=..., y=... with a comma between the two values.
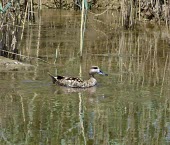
x=7, y=64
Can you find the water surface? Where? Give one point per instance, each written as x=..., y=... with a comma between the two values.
x=130, y=106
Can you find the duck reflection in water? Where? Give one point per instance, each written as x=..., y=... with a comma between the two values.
x=68, y=90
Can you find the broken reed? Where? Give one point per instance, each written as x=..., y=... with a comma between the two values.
x=24, y=58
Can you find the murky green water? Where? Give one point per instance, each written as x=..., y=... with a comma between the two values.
x=130, y=106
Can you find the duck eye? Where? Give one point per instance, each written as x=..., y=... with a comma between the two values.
x=95, y=67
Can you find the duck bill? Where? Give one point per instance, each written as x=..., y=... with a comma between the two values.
x=102, y=73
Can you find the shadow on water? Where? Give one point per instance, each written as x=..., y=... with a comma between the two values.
x=129, y=106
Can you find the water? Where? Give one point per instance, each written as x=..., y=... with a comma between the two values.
x=130, y=106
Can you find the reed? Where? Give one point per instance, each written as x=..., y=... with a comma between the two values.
x=137, y=63
x=81, y=116
x=31, y=11
x=140, y=10
x=39, y=5
x=23, y=26
x=132, y=119
x=56, y=53
x=13, y=25
x=164, y=75
x=82, y=29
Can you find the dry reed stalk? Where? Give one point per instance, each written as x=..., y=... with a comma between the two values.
x=80, y=71
x=122, y=12
x=157, y=7
x=39, y=5
x=81, y=114
x=138, y=62
x=166, y=13
x=155, y=61
x=139, y=9
x=82, y=29
x=99, y=14
x=56, y=53
x=28, y=13
x=29, y=40
x=130, y=60
x=121, y=56
x=22, y=106
x=143, y=72
x=150, y=63
x=31, y=9
x=39, y=35
x=164, y=74
x=23, y=26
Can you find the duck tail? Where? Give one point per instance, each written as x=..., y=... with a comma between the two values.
x=53, y=78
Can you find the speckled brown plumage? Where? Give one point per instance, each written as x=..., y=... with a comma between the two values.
x=77, y=82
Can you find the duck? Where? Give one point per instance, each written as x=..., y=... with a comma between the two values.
x=75, y=82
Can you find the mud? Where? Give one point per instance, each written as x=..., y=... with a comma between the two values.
x=7, y=64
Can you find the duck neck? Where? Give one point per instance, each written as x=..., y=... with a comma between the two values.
x=91, y=75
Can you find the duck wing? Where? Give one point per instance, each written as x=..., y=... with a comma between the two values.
x=66, y=81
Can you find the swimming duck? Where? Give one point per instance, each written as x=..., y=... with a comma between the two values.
x=77, y=82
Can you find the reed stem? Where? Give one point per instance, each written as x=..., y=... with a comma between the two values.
x=164, y=73
x=81, y=29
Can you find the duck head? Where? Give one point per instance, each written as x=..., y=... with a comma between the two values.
x=96, y=70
